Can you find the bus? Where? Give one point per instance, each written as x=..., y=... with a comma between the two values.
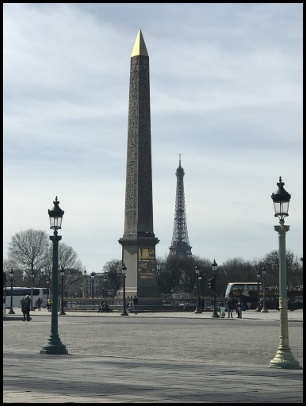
x=20, y=292
x=248, y=291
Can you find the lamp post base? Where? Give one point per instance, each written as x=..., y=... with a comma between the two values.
x=11, y=312
x=62, y=314
x=124, y=313
x=215, y=314
x=54, y=346
x=285, y=360
x=197, y=311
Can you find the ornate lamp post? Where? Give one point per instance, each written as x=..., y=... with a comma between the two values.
x=11, y=279
x=123, y=273
x=92, y=276
x=4, y=293
x=55, y=346
x=214, y=266
x=62, y=272
x=283, y=357
x=104, y=286
x=258, y=275
x=197, y=271
x=85, y=285
x=264, y=309
x=33, y=277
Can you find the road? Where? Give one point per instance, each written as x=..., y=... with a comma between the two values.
x=156, y=357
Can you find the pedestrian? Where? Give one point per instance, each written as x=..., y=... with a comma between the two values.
x=135, y=304
x=202, y=303
x=101, y=305
x=21, y=304
x=230, y=307
x=49, y=304
x=239, y=308
x=25, y=307
x=39, y=302
x=104, y=307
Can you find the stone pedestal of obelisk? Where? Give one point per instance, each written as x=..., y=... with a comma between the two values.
x=138, y=241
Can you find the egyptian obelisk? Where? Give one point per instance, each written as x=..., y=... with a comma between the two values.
x=138, y=241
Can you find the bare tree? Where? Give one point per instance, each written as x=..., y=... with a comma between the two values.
x=68, y=258
x=113, y=270
x=69, y=262
x=27, y=251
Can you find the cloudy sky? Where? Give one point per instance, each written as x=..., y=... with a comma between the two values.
x=226, y=94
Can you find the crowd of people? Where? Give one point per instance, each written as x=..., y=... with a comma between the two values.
x=104, y=307
x=234, y=305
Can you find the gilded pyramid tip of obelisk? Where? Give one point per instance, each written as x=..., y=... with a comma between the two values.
x=139, y=46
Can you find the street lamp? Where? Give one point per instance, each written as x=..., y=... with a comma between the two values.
x=92, y=276
x=55, y=346
x=85, y=285
x=258, y=275
x=123, y=273
x=33, y=277
x=197, y=271
x=11, y=279
x=4, y=293
x=62, y=272
x=104, y=286
x=264, y=309
x=283, y=357
x=214, y=266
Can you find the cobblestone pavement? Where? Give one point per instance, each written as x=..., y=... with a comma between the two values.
x=151, y=358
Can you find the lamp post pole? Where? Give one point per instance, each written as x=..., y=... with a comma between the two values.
x=62, y=313
x=4, y=293
x=92, y=276
x=197, y=271
x=214, y=270
x=124, y=269
x=54, y=345
x=48, y=295
x=85, y=285
x=33, y=277
x=104, y=286
x=11, y=279
x=264, y=308
x=258, y=275
x=283, y=358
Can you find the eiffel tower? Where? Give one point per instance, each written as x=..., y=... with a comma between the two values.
x=180, y=245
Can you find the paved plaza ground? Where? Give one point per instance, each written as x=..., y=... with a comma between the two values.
x=168, y=357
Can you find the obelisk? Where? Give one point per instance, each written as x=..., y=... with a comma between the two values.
x=138, y=241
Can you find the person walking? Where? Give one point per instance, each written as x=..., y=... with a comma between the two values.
x=135, y=304
x=230, y=307
x=239, y=308
x=39, y=302
x=49, y=304
x=25, y=307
